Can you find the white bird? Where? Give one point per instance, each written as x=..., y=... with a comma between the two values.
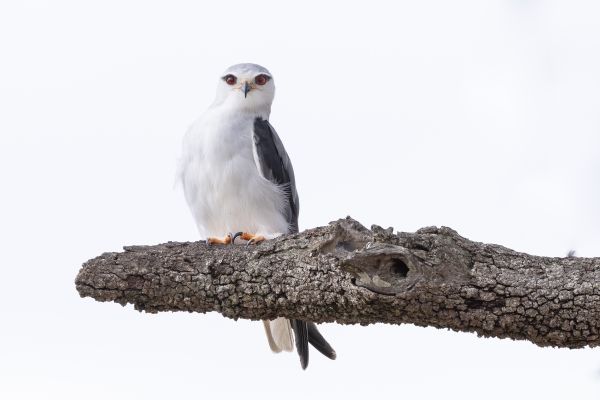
x=237, y=177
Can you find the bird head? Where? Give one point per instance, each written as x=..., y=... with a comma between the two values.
x=246, y=86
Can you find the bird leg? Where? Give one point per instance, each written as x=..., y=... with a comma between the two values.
x=250, y=238
x=226, y=240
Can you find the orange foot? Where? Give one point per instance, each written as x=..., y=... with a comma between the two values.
x=226, y=240
x=252, y=239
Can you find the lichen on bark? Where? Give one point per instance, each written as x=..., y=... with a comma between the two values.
x=346, y=273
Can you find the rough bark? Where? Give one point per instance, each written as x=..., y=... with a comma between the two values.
x=346, y=273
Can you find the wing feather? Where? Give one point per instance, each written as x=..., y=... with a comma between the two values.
x=274, y=164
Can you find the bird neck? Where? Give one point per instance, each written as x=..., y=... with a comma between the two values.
x=256, y=105
x=250, y=109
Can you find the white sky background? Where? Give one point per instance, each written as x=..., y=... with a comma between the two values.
x=482, y=116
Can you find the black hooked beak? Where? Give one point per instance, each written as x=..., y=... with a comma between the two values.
x=246, y=88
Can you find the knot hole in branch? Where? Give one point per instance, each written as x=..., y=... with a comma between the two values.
x=398, y=268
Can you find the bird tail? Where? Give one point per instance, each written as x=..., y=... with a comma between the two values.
x=305, y=333
x=301, y=335
x=279, y=335
x=318, y=341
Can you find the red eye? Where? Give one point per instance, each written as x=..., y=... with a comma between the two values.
x=261, y=79
x=230, y=79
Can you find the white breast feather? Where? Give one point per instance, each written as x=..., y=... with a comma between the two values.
x=222, y=184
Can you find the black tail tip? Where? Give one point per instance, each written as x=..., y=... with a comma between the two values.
x=304, y=359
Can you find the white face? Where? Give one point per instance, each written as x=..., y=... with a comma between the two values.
x=246, y=86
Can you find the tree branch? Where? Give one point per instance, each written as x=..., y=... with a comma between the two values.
x=346, y=273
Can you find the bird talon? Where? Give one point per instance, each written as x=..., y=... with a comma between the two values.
x=255, y=239
x=237, y=234
x=248, y=237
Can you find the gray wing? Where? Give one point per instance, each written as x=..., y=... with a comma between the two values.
x=275, y=165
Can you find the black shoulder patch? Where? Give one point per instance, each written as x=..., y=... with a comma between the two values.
x=271, y=163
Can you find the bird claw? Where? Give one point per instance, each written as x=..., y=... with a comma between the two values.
x=237, y=234
x=255, y=240
x=230, y=239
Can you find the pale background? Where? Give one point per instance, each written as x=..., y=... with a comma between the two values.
x=481, y=115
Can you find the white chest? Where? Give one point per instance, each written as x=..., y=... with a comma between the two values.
x=222, y=185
